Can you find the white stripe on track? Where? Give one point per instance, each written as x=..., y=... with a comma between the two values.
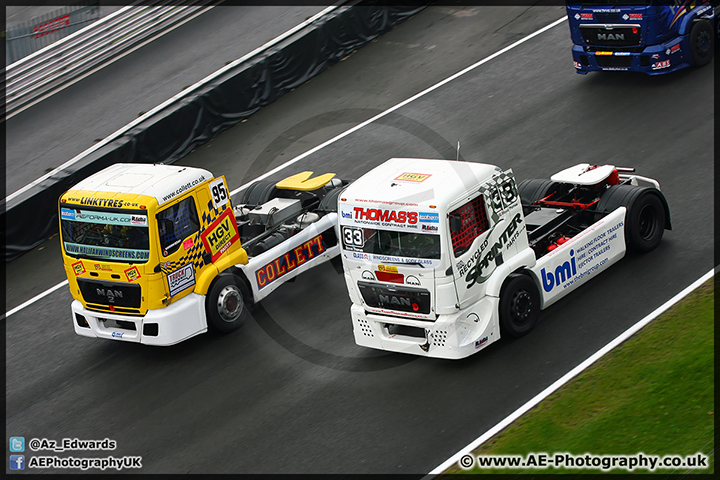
x=568, y=376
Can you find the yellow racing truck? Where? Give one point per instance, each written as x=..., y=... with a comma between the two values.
x=156, y=254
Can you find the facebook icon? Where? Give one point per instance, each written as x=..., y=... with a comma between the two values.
x=17, y=462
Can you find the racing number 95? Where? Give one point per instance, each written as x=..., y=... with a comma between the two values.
x=353, y=237
x=219, y=192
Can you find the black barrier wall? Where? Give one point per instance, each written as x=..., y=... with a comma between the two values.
x=31, y=218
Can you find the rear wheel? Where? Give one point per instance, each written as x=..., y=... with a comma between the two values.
x=225, y=303
x=645, y=223
x=519, y=305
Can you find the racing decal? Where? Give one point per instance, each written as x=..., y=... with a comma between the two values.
x=220, y=196
x=387, y=268
x=480, y=265
x=114, y=253
x=188, y=243
x=67, y=214
x=632, y=16
x=79, y=268
x=429, y=217
x=480, y=342
x=107, y=202
x=289, y=261
x=660, y=65
x=220, y=234
x=413, y=177
x=164, y=197
x=181, y=279
x=132, y=274
x=584, y=16
x=387, y=218
x=674, y=49
x=103, y=267
x=586, y=255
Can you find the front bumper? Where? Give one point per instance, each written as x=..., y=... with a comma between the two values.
x=178, y=321
x=653, y=60
x=450, y=336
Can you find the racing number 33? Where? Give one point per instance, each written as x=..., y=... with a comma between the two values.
x=219, y=192
x=353, y=236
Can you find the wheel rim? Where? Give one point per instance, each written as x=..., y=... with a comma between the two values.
x=648, y=222
x=230, y=303
x=702, y=43
x=521, y=306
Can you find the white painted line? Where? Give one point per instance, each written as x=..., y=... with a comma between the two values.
x=299, y=157
x=402, y=104
x=36, y=298
x=568, y=376
x=180, y=95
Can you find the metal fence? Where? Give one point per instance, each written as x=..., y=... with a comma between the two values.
x=38, y=32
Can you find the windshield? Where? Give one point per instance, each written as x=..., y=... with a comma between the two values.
x=105, y=235
x=391, y=242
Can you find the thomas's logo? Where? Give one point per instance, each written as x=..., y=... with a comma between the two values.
x=563, y=273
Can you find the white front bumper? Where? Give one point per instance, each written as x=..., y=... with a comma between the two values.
x=178, y=321
x=450, y=336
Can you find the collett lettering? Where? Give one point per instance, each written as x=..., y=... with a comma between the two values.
x=289, y=261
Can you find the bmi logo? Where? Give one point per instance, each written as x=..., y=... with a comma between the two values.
x=562, y=273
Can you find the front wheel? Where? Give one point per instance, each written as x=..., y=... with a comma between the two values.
x=225, y=303
x=702, y=43
x=519, y=305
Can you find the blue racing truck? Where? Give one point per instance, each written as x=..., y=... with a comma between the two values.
x=652, y=37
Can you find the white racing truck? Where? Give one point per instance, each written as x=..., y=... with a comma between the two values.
x=443, y=257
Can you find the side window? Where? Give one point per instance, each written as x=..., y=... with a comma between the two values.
x=177, y=223
x=470, y=221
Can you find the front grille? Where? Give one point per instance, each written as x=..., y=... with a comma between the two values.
x=394, y=297
x=613, y=61
x=103, y=292
x=611, y=35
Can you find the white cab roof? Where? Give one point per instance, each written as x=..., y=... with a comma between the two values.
x=417, y=182
x=160, y=181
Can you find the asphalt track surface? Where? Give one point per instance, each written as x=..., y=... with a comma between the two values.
x=57, y=129
x=290, y=392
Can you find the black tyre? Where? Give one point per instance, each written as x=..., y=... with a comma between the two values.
x=702, y=42
x=519, y=305
x=645, y=222
x=258, y=193
x=225, y=303
x=646, y=218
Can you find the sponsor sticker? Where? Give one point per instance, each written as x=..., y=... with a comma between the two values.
x=289, y=261
x=138, y=220
x=100, y=266
x=132, y=274
x=429, y=217
x=79, y=268
x=188, y=243
x=181, y=279
x=67, y=214
x=479, y=343
x=413, y=177
x=220, y=234
x=387, y=268
x=659, y=65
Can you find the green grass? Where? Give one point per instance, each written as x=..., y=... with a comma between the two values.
x=653, y=394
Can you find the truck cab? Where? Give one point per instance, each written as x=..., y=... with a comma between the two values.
x=141, y=246
x=418, y=238
x=655, y=37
